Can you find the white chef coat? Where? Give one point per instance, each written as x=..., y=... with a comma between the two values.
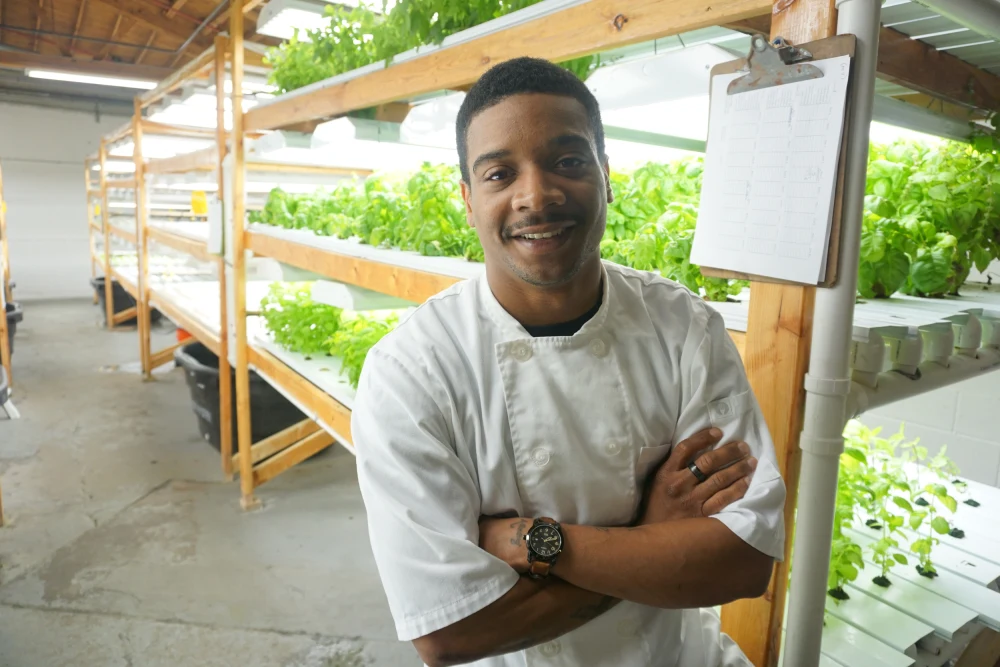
x=461, y=413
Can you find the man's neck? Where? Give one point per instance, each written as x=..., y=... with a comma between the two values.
x=541, y=306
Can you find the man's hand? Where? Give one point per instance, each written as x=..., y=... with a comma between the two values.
x=674, y=493
x=504, y=538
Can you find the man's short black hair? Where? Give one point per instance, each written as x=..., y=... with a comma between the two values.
x=517, y=76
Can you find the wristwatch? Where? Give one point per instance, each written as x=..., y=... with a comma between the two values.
x=545, y=542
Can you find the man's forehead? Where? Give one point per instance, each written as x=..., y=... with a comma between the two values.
x=539, y=109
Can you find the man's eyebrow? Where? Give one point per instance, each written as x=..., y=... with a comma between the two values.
x=486, y=157
x=570, y=140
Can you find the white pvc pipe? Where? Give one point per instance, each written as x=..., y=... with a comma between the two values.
x=932, y=375
x=980, y=16
x=828, y=381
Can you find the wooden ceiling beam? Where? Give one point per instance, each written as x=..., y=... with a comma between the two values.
x=145, y=49
x=21, y=60
x=79, y=22
x=149, y=17
x=919, y=66
x=174, y=8
x=38, y=24
x=103, y=53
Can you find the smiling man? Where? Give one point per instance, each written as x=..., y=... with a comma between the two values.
x=579, y=400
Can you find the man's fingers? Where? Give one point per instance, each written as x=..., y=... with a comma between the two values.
x=723, y=479
x=717, y=459
x=727, y=496
x=684, y=451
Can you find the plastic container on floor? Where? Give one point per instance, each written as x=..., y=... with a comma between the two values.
x=270, y=412
x=121, y=300
x=14, y=315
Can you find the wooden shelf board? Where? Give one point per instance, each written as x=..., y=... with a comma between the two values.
x=181, y=314
x=196, y=249
x=317, y=404
x=205, y=159
x=122, y=234
x=128, y=283
x=589, y=27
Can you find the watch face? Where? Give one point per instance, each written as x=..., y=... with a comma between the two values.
x=545, y=541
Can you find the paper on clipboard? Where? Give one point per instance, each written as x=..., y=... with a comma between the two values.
x=770, y=176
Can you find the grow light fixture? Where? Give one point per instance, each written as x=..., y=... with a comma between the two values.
x=117, y=82
x=673, y=75
x=911, y=117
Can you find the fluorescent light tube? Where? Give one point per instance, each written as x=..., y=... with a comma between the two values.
x=87, y=78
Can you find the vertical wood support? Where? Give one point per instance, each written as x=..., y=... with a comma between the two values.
x=5, y=296
x=247, y=499
x=142, y=251
x=225, y=373
x=4, y=246
x=109, y=304
x=779, y=331
x=90, y=222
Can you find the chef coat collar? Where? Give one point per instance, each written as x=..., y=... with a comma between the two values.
x=513, y=329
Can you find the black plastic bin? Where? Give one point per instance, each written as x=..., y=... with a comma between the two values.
x=270, y=412
x=14, y=315
x=121, y=300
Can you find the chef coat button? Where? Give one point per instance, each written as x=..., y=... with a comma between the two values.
x=541, y=457
x=551, y=649
x=598, y=348
x=521, y=351
x=614, y=448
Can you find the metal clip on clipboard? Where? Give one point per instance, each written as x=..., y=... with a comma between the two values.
x=774, y=65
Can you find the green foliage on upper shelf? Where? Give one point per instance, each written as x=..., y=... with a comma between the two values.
x=296, y=321
x=878, y=493
x=650, y=223
x=931, y=214
x=299, y=324
x=355, y=37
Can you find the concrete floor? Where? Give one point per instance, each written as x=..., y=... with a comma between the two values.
x=124, y=546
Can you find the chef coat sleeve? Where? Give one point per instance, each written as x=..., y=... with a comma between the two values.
x=422, y=503
x=718, y=394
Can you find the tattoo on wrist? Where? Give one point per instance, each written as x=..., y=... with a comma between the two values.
x=591, y=611
x=521, y=526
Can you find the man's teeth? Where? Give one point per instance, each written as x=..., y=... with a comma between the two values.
x=546, y=235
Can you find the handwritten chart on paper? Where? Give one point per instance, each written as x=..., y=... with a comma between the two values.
x=770, y=176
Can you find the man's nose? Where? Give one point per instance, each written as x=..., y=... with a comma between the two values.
x=536, y=191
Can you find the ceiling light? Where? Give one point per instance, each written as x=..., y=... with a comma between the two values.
x=87, y=78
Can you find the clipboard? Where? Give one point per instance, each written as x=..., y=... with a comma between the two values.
x=774, y=65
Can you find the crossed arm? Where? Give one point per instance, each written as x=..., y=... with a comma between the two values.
x=675, y=557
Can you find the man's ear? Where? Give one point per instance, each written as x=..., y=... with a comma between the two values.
x=607, y=180
x=467, y=198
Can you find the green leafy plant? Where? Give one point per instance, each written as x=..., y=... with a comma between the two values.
x=928, y=497
x=931, y=215
x=650, y=226
x=360, y=36
x=296, y=321
x=358, y=335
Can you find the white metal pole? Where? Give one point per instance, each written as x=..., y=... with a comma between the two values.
x=828, y=381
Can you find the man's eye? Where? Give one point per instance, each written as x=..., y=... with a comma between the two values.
x=570, y=163
x=497, y=175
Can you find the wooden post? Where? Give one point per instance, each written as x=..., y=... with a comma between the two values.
x=5, y=359
x=90, y=221
x=225, y=373
x=247, y=499
x=779, y=331
x=142, y=243
x=109, y=306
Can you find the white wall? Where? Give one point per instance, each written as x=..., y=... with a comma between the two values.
x=41, y=153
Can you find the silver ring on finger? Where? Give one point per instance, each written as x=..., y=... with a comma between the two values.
x=696, y=471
